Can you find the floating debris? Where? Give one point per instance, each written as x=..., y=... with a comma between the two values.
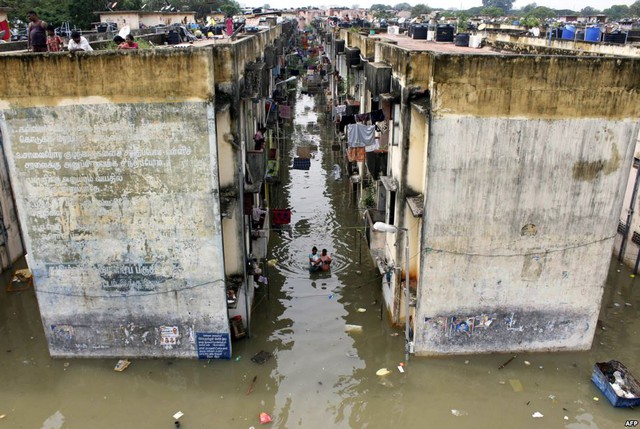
x=122, y=365
x=516, y=385
x=537, y=415
x=261, y=357
x=177, y=415
x=253, y=383
x=362, y=310
x=508, y=361
x=264, y=418
x=352, y=328
x=459, y=413
x=526, y=362
x=382, y=372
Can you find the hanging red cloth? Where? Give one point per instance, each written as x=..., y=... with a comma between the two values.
x=281, y=216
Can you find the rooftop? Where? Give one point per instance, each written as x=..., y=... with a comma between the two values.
x=406, y=42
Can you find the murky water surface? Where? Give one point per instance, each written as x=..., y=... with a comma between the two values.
x=319, y=376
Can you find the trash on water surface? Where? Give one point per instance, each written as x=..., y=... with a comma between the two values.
x=526, y=362
x=382, y=372
x=537, y=415
x=459, y=413
x=272, y=262
x=352, y=328
x=261, y=357
x=400, y=368
x=122, y=365
x=516, y=385
x=362, y=310
x=178, y=415
x=2, y=416
x=264, y=418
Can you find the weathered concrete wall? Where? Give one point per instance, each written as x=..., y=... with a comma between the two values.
x=544, y=87
x=527, y=170
x=116, y=181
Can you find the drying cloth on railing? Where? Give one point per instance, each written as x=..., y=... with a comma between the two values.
x=356, y=154
x=281, y=216
x=4, y=26
x=372, y=147
x=346, y=120
x=338, y=111
x=284, y=111
x=377, y=115
x=301, y=163
x=359, y=135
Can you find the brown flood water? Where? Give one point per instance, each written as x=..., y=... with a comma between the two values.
x=319, y=375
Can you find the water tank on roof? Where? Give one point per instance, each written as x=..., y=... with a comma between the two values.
x=462, y=39
x=569, y=32
x=615, y=37
x=592, y=34
x=420, y=32
x=444, y=33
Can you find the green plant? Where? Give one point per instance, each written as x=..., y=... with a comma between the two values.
x=368, y=200
x=142, y=44
x=463, y=24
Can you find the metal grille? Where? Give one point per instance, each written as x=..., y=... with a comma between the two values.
x=636, y=238
x=622, y=228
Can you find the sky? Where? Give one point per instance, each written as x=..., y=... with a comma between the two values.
x=460, y=4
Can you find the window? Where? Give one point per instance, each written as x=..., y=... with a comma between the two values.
x=391, y=213
x=395, y=125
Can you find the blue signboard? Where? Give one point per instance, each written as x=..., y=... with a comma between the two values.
x=210, y=345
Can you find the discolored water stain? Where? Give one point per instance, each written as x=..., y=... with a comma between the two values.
x=589, y=170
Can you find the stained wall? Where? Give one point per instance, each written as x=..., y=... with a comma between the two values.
x=114, y=166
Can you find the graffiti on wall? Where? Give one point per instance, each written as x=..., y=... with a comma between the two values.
x=454, y=326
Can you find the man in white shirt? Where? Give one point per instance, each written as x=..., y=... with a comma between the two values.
x=79, y=43
x=258, y=216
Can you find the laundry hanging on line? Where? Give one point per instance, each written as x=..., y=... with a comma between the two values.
x=284, y=111
x=360, y=135
x=373, y=117
x=281, y=216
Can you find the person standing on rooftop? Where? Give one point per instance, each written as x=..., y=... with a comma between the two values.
x=36, y=33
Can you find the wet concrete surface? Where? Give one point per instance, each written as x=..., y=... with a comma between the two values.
x=319, y=375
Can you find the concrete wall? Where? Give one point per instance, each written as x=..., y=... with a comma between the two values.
x=527, y=170
x=116, y=182
x=527, y=159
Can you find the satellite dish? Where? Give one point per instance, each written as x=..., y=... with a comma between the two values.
x=482, y=26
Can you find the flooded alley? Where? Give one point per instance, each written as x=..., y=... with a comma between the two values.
x=326, y=336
